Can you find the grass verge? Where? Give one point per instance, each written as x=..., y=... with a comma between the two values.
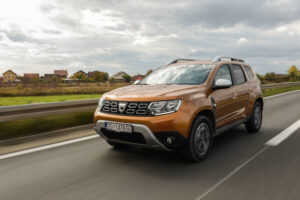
x=33, y=126
x=9, y=101
x=25, y=127
x=274, y=91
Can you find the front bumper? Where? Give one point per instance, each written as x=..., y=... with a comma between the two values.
x=150, y=141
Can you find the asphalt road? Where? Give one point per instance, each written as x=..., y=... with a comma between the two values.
x=240, y=166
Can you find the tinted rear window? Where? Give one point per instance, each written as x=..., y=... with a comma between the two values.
x=238, y=74
x=249, y=72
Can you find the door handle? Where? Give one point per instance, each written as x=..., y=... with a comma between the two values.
x=235, y=95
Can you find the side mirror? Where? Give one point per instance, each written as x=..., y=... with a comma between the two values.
x=222, y=83
x=136, y=82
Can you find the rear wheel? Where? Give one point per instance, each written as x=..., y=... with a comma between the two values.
x=254, y=124
x=200, y=141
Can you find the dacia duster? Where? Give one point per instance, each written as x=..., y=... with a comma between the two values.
x=182, y=106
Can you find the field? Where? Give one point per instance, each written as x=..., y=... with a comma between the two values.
x=25, y=127
x=274, y=91
x=9, y=101
x=19, y=100
x=18, y=90
x=18, y=94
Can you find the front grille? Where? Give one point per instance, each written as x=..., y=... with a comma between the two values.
x=133, y=137
x=126, y=108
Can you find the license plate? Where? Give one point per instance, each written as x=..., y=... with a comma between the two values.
x=118, y=127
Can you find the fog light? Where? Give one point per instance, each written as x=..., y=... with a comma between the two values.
x=170, y=140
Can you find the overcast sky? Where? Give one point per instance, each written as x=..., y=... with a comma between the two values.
x=135, y=36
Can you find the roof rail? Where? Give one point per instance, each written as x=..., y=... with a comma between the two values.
x=180, y=60
x=220, y=58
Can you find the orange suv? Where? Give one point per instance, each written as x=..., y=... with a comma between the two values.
x=182, y=106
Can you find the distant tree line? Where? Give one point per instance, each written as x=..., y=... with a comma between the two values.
x=95, y=76
x=292, y=75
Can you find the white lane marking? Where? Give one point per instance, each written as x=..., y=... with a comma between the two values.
x=273, y=142
x=231, y=174
x=18, y=153
x=284, y=134
x=277, y=95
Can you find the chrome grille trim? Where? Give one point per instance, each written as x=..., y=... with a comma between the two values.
x=114, y=110
x=132, y=105
x=131, y=108
x=141, y=112
x=114, y=104
x=105, y=109
x=143, y=105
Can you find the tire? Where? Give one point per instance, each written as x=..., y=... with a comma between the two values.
x=117, y=145
x=200, y=141
x=254, y=123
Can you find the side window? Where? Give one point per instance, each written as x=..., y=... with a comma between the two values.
x=238, y=74
x=249, y=72
x=223, y=73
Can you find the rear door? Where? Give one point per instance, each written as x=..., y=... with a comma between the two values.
x=241, y=94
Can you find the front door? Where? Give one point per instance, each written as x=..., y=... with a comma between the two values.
x=223, y=98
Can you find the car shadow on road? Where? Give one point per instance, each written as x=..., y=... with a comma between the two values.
x=224, y=140
x=230, y=149
x=230, y=139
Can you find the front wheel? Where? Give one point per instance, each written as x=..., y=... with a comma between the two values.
x=254, y=124
x=200, y=141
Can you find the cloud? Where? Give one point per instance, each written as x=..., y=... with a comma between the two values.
x=135, y=36
x=255, y=13
x=47, y=8
x=51, y=31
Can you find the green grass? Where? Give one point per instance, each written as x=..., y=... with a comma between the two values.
x=25, y=127
x=9, y=101
x=274, y=91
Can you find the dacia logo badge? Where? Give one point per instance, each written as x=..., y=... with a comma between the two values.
x=122, y=106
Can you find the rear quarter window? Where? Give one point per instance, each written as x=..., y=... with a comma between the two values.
x=249, y=72
x=238, y=74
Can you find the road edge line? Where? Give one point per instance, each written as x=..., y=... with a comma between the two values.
x=231, y=174
x=49, y=146
x=285, y=134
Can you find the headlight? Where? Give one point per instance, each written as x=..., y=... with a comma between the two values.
x=164, y=107
x=100, y=104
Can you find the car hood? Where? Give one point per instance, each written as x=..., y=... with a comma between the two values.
x=150, y=92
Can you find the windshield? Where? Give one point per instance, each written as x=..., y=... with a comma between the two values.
x=178, y=75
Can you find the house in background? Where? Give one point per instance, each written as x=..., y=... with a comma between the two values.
x=119, y=77
x=50, y=76
x=80, y=74
x=91, y=74
x=138, y=77
x=9, y=76
x=62, y=74
x=29, y=77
